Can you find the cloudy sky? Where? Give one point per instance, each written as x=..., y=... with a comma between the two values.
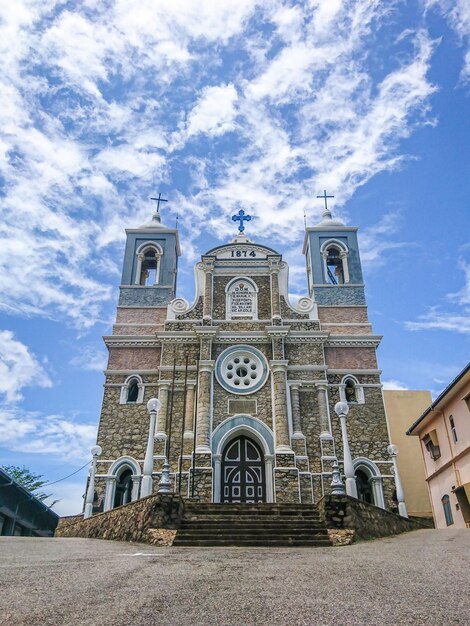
x=221, y=106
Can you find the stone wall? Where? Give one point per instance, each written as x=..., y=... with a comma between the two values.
x=136, y=521
x=343, y=513
x=351, y=358
x=134, y=358
x=219, y=296
x=344, y=294
x=347, y=314
x=137, y=315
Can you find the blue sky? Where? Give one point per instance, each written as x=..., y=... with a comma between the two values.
x=221, y=106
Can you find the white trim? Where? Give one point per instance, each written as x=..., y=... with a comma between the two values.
x=140, y=253
x=228, y=292
x=117, y=467
x=358, y=389
x=125, y=389
x=375, y=477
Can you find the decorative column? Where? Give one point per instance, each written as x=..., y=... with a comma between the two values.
x=295, y=403
x=341, y=410
x=393, y=451
x=217, y=462
x=189, y=415
x=163, y=391
x=207, y=306
x=323, y=409
x=109, y=493
x=377, y=491
x=153, y=406
x=140, y=258
x=203, y=431
x=90, y=494
x=275, y=301
x=279, y=370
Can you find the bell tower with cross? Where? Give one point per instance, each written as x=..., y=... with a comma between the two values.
x=150, y=263
x=333, y=263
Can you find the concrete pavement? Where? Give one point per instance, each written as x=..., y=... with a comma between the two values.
x=417, y=578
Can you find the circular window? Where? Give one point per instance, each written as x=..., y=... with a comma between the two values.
x=241, y=369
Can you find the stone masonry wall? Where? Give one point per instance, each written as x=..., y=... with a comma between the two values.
x=136, y=315
x=219, y=296
x=134, y=358
x=136, y=521
x=365, y=520
x=343, y=314
x=351, y=358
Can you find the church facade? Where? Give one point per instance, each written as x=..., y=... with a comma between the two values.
x=247, y=381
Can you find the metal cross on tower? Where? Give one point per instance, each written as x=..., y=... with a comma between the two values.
x=324, y=196
x=241, y=217
x=159, y=200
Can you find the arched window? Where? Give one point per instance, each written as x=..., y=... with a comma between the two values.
x=132, y=391
x=447, y=510
x=123, y=488
x=122, y=482
x=351, y=391
x=335, y=262
x=148, y=265
x=242, y=299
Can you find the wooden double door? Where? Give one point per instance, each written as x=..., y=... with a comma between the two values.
x=243, y=472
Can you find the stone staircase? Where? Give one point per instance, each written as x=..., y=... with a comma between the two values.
x=261, y=525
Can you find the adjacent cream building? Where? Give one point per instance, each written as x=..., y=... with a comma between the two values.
x=402, y=407
x=444, y=435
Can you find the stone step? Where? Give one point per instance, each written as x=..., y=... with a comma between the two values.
x=249, y=519
x=213, y=525
x=252, y=536
x=259, y=543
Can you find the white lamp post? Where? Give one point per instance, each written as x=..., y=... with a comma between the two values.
x=393, y=451
x=90, y=494
x=341, y=410
x=153, y=406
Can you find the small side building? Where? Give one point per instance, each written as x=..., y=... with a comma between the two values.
x=22, y=514
x=444, y=434
x=401, y=407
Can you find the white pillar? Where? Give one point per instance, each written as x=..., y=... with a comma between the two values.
x=393, y=451
x=268, y=460
x=378, y=492
x=341, y=410
x=90, y=494
x=140, y=258
x=217, y=487
x=109, y=493
x=153, y=406
x=135, y=487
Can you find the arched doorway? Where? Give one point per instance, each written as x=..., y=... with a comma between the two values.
x=123, y=491
x=364, y=489
x=369, y=482
x=243, y=473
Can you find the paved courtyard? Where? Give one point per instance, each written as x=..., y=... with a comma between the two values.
x=422, y=577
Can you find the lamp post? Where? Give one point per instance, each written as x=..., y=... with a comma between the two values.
x=341, y=410
x=337, y=487
x=90, y=494
x=392, y=449
x=153, y=406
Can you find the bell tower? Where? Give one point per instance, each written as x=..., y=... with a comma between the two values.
x=334, y=272
x=150, y=265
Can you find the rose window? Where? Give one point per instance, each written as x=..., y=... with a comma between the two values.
x=241, y=369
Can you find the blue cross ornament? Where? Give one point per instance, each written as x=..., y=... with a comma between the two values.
x=241, y=217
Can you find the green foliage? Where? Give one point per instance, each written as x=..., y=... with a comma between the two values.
x=30, y=481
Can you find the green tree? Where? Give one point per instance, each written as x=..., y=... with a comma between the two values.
x=30, y=481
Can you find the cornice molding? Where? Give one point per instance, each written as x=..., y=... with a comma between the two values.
x=354, y=341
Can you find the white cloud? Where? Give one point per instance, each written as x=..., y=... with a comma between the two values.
x=214, y=112
x=19, y=368
x=394, y=385
x=85, y=138
x=89, y=358
x=457, y=13
x=454, y=320
x=35, y=433
x=375, y=240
